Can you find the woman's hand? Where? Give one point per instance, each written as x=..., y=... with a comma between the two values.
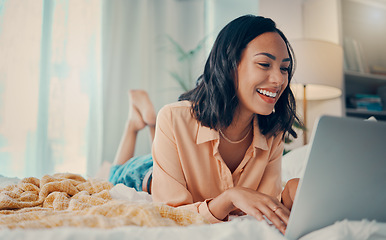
x=252, y=203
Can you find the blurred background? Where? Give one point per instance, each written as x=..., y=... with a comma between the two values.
x=66, y=67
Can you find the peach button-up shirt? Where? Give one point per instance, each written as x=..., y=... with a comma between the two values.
x=189, y=170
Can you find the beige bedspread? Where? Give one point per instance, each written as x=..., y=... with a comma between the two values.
x=70, y=200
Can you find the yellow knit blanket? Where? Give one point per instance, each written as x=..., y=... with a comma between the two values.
x=70, y=200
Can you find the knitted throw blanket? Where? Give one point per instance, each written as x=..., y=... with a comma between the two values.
x=70, y=200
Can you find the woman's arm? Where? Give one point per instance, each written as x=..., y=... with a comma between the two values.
x=252, y=203
x=288, y=194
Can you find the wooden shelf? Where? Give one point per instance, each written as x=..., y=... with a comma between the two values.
x=363, y=41
x=359, y=77
x=379, y=115
x=366, y=75
x=362, y=83
x=367, y=112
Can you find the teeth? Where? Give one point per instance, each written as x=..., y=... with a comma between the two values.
x=267, y=93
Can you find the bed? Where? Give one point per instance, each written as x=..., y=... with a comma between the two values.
x=98, y=210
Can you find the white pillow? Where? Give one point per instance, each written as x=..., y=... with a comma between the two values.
x=293, y=163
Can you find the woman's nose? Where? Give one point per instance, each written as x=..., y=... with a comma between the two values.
x=277, y=77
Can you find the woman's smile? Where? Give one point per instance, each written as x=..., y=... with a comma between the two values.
x=268, y=95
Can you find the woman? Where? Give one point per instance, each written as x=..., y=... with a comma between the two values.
x=218, y=150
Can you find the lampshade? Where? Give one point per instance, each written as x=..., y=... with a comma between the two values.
x=318, y=74
x=319, y=66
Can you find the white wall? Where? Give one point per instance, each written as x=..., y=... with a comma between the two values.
x=322, y=20
x=287, y=15
x=218, y=13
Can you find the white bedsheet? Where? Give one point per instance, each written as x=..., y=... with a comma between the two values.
x=243, y=228
x=239, y=228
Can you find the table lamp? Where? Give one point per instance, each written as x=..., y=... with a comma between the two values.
x=318, y=74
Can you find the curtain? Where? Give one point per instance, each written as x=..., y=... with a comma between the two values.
x=50, y=87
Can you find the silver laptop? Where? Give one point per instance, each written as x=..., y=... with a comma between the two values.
x=345, y=176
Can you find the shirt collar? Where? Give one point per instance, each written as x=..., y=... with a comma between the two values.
x=259, y=140
x=205, y=134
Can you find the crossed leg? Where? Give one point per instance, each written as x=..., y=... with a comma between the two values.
x=141, y=114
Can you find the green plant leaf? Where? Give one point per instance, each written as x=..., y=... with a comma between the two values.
x=285, y=151
x=186, y=81
x=180, y=80
x=287, y=140
x=178, y=49
x=297, y=125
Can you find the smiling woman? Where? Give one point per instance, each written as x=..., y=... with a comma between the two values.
x=194, y=168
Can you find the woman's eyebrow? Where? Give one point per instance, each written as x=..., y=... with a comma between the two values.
x=272, y=57
x=267, y=54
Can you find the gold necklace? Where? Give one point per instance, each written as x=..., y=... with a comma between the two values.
x=234, y=142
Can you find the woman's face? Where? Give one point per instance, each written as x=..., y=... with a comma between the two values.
x=262, y=74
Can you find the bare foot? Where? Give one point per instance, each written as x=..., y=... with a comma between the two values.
x=142, y=106
x=135, y=120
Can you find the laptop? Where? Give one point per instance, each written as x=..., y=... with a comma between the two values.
x=345, y=175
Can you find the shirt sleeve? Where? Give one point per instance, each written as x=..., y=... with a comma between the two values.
x=271, y=181
x=169, y=185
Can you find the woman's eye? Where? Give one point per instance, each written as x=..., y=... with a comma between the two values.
x=265, y=65
x=285, y=69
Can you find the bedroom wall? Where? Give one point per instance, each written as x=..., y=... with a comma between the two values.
x=286, y=14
